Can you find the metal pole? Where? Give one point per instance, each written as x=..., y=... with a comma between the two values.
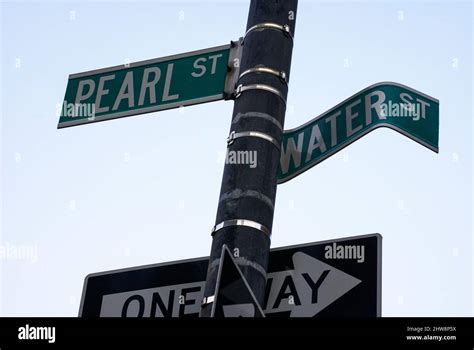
x=247, y=198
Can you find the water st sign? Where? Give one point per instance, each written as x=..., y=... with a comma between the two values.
x=385, y=104
x=335, y=278
x=149, y=86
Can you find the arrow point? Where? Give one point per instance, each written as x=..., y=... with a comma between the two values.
x=335, y=284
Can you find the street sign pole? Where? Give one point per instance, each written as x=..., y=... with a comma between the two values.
x=247, y=198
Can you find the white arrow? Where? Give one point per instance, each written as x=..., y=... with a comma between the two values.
x=309, y=288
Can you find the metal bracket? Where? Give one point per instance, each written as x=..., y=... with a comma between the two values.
x=241, y=88
x=232, y=76
x=268, y=25
x=241, y=222
x=262, y=69
x=233, y=135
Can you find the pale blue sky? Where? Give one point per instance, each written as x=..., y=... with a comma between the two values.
x=144, y=189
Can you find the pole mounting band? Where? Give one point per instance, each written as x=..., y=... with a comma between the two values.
x=207, y=300
x=241, y=222
x=233, y=135
x=262, y=69
x=242, y=88
x=268, y=25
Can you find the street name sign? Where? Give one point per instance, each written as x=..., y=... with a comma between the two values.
x=149, y=86
x=335, y=278
x=384, y=104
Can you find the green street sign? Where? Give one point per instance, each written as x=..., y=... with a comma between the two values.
x=384, y=104
x=150, y=86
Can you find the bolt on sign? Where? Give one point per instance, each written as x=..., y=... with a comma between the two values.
x=385, y=104
x=149, y=86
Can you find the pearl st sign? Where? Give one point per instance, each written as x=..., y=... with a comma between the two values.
x=149, y=86
x=385, y=104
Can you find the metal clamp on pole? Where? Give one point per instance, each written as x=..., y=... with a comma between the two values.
x=262, y=69
x=241, y=222
x=268, y=25
x=233, y=135
x=241, y=88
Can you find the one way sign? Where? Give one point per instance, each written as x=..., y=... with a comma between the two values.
x=336, y=278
